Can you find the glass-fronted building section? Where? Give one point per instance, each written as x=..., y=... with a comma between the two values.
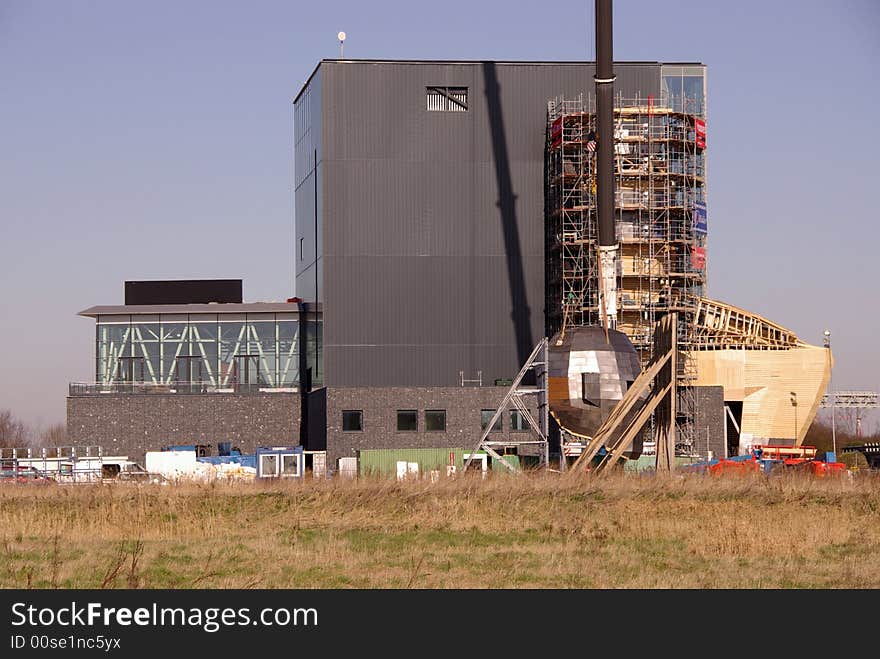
x=213, y=352
x=683, y=88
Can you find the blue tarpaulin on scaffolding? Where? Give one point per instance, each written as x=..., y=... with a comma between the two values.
x=700, y=217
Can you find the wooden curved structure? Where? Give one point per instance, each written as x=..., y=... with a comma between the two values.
x=778, y=378
x=719, y=325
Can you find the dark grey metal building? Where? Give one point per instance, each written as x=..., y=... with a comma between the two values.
x=420, y=228
x=420, y=210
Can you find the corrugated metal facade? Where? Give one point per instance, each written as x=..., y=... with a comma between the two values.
x=429, y=249
x=308, y=206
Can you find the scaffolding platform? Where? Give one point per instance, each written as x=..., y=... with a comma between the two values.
x=660, y=196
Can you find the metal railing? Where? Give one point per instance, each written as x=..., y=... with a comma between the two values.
x=183, y=388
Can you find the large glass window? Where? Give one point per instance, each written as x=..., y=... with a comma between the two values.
x=146, y=344
x=175, y=344
x=518, y=420
x=288, y=352
x=203, y=347
x=261, y=344
x=684, y=88
x=114, y=341
x=233, y=338
x=218, y=351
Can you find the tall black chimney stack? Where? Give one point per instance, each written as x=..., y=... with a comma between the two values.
x=604, y=79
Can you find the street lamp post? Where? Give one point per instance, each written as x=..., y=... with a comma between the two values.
x=831, y=386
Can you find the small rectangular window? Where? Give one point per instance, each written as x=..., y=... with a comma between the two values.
x=518, y=420
x=407, y=420
x=290, y=465
x=352, y=420
x=269, y=466
x=486, y=417
x=435, y=420
x=301, y=248
x=446, y=99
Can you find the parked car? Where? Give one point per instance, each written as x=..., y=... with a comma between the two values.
x=128, y=471
x=12, y=473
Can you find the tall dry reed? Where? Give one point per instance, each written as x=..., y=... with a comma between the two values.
x=537, y=530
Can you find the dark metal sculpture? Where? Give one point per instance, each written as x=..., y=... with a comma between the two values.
x=588, y=374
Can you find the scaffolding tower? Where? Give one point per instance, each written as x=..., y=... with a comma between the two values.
x=660, y=218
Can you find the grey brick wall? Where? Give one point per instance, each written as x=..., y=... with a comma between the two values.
x=134, y=424
x=709, y=421
x=380, y=405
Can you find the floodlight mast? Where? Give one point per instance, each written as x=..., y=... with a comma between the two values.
x=608, y=246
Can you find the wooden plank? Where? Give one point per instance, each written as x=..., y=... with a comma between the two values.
x=626, y=440
x=620, y=411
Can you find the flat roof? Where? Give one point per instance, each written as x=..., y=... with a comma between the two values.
x=502, y=62
x=153, y=309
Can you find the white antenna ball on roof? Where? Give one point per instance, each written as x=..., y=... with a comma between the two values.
x=341, y=36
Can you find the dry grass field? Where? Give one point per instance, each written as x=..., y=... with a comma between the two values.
x=541, y=531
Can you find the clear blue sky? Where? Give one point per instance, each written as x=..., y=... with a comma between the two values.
x=148, y=140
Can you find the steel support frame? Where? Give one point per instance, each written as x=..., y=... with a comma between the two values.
x=537, y=361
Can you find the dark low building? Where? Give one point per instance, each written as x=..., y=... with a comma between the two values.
x=415, y=417
x=195, y=373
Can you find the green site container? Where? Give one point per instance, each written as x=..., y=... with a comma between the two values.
x=648, y=462
x=642, y=463
x=512, y=460
x=383, y=462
